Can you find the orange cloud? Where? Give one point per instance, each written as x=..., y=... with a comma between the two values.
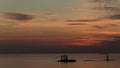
x=91, y=40
x=101, y=32
x=2, y=24
x=110, y=33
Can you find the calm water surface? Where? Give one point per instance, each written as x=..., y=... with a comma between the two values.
x=49, y=61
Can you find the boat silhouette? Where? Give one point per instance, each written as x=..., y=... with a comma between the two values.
x=64, y=58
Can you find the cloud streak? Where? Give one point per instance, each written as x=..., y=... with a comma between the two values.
x=22, y=17
x=93, y=20
x=105, y=3
x=111, y=17
x=107, y=8
x=112, y=24
x=98, y=27
x=114, y=17
x=2, y=24
x=77, y=24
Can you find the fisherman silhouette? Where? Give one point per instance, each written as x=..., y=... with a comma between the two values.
x=64, y=57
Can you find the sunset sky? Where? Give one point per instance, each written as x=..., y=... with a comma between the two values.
x=45, y=26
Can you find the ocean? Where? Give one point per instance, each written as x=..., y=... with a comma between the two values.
x=50, y=61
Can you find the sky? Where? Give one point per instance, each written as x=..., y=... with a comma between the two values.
x=59, y=26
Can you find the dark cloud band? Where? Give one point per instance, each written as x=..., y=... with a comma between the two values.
x=114, y=17
x=77, y=24
x=82, y=20
x=18, y=16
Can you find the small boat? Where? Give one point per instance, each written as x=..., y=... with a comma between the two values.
x=64, y=58
x=69, y=60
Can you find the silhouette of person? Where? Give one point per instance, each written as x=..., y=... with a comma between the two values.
x=107, y=57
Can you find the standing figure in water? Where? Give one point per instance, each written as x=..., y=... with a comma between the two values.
x=64, y=57
x=107, y=57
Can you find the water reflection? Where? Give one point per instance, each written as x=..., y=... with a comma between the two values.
x=50, y=61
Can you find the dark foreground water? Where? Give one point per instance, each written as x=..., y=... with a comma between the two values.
x=50, y=61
